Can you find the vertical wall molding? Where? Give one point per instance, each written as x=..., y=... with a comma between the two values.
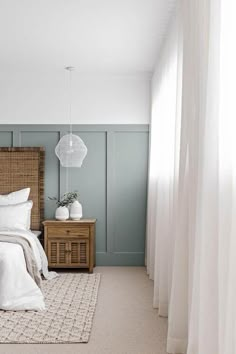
x=110, y=186
x=16, y=137
x=120, y=241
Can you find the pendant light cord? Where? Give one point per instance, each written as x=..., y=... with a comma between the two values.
x=70, y=98
x=70, y=69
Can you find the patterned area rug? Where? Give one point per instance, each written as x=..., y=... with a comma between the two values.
x=71, y=301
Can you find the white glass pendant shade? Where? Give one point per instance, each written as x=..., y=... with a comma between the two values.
x=71, y=150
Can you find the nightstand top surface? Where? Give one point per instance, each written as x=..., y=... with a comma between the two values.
x=71, y=222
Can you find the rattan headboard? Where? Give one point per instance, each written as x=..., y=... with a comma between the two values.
x=21, y=168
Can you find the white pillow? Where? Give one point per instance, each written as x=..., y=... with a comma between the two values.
x=15, y=216
x=17, y=197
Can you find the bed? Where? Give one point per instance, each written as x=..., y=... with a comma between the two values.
x=22, y=258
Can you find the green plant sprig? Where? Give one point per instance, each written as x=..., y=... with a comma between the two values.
x=67, y=199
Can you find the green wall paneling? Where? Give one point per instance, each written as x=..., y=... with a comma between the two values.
x=129, y=191
x=112, y=182
x=6, y=139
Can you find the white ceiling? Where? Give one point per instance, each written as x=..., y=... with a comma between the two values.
x=118, y=36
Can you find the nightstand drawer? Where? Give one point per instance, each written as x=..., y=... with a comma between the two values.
x=68, y=231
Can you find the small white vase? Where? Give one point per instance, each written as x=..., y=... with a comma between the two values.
x=76, y=210
x=62, y=213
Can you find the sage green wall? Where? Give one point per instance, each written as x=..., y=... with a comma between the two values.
x=112, y=182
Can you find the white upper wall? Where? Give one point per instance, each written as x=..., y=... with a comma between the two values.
x=118, y=36
x=113, y=44
x=33, y=98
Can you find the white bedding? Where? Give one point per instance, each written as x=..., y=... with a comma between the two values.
x=18, y=291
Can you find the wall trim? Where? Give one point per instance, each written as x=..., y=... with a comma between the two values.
x=76, y=127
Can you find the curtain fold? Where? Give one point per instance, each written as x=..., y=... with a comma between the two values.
x=191, y=229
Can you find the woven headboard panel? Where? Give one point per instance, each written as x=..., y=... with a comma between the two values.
x=21, y=168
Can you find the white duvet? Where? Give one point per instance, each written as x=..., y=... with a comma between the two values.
x=18, y=291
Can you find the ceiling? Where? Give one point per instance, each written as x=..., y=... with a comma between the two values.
x=118, y=36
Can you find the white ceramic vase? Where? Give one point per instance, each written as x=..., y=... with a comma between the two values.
x=76, y=210
x=62, y=213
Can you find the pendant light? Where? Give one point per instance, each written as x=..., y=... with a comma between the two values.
x=71, y=149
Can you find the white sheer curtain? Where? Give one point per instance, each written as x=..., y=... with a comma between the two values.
x=227, y=180
x=162, y=171
x=191, y=247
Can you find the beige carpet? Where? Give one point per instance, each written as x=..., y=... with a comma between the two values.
x=70, y=300
x=124, y=321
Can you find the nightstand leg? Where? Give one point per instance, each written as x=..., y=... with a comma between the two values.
x=92, y=251
x=91, y=265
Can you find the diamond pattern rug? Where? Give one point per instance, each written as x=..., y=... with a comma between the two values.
x=71, y=301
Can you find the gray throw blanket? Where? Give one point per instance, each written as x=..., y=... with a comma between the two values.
x=46, y=274
x=20, y=237
x=31, y=265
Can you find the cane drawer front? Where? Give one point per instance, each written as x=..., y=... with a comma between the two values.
x=73, y=253
x=70, y=231
x=79, y=253
x=58, y=253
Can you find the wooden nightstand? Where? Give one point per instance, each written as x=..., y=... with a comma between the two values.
x=70, y=244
